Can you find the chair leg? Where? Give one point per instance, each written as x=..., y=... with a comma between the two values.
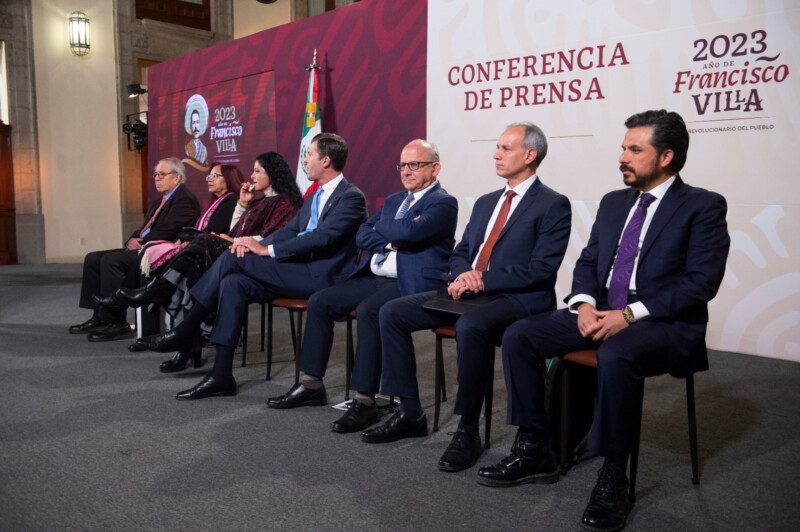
x=634, y=467
x=438, y=383
x=349, y=356
x=292, y=327
x=269, y=341
x=443, y=383
x=245, y=321
x=692, y=428
x=564, y=441
x=298, y=342
x=262, y=326
x=487, y=408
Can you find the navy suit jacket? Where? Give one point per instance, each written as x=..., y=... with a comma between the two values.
x=424, y=239
x=181, y=210
x=680, y=266
x=330, y=249
x=528, y=252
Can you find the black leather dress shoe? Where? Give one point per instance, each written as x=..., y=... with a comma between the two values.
x=165, y=342
x=114, y=331
x=299, y=395
x=157, y=291
x=137, y=346
x=462, y=453
x=179, y=361
x=358, y=417
x=92, y=324
x=398, y=426
x=209, y=387
x=608, y=506
x=530, y=462
x=106, y=301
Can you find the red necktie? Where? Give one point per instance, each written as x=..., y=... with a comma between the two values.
x=152, y=218
x=483, y=259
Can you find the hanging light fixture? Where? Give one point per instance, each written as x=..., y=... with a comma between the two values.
x=79, y=41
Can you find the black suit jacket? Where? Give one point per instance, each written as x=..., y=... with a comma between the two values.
x=181, y=210
x=330, y=249
x=528, y=252
x=680, y=266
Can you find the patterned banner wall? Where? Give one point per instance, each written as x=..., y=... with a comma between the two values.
x=372, y=88
x=580, y=68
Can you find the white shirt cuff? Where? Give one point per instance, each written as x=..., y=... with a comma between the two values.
x=639, y=311
x=577, y=299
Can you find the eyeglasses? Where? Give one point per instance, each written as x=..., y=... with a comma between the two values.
x=413, y=165
x=212, y=177
x=162, y=175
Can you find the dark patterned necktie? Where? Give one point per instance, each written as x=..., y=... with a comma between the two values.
x=626, y=255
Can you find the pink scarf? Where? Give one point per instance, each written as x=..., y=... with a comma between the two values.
x=202, y=222
x=160, y=251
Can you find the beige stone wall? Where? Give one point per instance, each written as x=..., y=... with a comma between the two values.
x=77, y=125
x=250, y=17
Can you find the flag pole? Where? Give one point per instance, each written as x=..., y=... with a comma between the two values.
x=312, y=125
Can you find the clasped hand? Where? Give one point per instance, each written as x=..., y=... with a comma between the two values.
x=469, y=281
x=599, y=325
x=248, y=244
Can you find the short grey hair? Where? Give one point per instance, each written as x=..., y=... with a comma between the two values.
x=433, y=151
x=534, y=138
x=175, y=166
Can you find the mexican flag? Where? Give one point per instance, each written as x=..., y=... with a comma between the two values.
x=312, y=125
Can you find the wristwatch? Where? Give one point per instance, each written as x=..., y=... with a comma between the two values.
x=627, y=314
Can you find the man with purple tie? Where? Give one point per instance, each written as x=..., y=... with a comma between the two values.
x=640, y=289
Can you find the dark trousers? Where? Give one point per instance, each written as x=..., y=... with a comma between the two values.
x=232, y=283
x=477, y=333
x=624, y=360
x=367, y=295
x=103, y=273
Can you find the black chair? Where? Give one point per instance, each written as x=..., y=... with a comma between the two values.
x=588, y=358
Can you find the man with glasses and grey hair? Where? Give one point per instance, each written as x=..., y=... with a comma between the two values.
x=106, y=271
x=408, y=243
x=508, y=257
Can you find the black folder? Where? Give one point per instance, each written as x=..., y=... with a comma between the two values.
x=442, y=302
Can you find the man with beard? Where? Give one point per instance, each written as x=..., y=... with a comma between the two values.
x=655, y=258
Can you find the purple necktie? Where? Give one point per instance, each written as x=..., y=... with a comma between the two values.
x=626, y=255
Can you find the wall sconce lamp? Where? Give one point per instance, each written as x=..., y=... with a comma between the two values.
x=79, y=41
x=135, y=90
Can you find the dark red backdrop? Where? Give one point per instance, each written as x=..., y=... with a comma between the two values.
x=372, y=84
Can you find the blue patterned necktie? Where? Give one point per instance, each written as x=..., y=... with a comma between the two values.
x=401, y=212
x=626, y=255
x=380, y=258
x=314, y=220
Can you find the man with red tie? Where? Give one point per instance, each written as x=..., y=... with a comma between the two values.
x=640, y=289
x=106, y=271
x=511, y=250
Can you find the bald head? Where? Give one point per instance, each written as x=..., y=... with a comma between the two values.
x=424, y=156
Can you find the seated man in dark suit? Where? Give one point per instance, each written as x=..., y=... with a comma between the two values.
x=655, y=258
x=315, y=250
x=511, y=249
x=106, y=271
x=409, y=242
